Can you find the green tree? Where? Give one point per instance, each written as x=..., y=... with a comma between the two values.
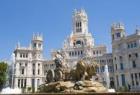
x=3, y=73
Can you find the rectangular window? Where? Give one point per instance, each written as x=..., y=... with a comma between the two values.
x=116, y=66
x=38, y=64
x=123, y=79
x=93, y=52
x=72, y=53
x=80, y=24
x=121, y=66
x=26, y=55
x=69, y=53
x=115, y=58
x=112, y=37
x=23, y=55
x=136, y=79
x=81, y=52
x=132, y=79
x=132, y=76
x=38, y=71
x=97, y=52
x=34, y=45
x=128, y=46
x=26, y=64
x=103, y=68
x=78, y=53
x=75, y=53
x=135, y=44
x=129, y=55
x=135, y=75
x=22, y=71
x=120, y=58
x=33, y=71
x=33, y=84
x=136, y=54
x=131, y=45
x=19, y=83
x=20, y=55
x=25, y=83
x=133, y=64
x=118, y=35
x=117, y=80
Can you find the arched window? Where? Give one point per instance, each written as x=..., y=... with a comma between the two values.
x=78, y=42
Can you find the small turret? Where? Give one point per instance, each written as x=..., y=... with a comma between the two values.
x=117, y=31
x=138, y=30
x=37, y=42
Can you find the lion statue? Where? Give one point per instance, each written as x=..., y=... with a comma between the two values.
x=83, y=71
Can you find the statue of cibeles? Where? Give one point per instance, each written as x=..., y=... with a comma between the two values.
x=60, y=66
x=58, y=59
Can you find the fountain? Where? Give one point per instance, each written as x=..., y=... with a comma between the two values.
x=107, y=79
x=76, y=80
x=9, y=90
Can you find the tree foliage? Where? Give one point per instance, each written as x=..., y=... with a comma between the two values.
x=3, y=72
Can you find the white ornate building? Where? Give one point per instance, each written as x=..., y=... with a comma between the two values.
x=28, y=66
x=80, y=45
x=126, y=57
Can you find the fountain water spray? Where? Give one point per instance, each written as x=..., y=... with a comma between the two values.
x=107, y=79
x=9, y=90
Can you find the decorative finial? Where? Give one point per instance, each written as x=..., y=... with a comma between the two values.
x=18, y=45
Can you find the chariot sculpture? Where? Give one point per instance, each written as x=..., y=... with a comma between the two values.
x=60, y=72
x=82, y=70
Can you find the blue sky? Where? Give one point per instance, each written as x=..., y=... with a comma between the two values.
x=19, y=19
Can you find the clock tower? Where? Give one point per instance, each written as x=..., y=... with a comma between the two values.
x=80, y=22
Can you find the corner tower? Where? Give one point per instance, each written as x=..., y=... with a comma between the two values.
x=117, y=31
x=37, y=46
x=37, y=42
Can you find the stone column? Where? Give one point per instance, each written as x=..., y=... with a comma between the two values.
x=15, y=82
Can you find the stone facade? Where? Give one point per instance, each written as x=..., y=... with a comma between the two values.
x=28, y=66
x=103, y=60
x=126, y=52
